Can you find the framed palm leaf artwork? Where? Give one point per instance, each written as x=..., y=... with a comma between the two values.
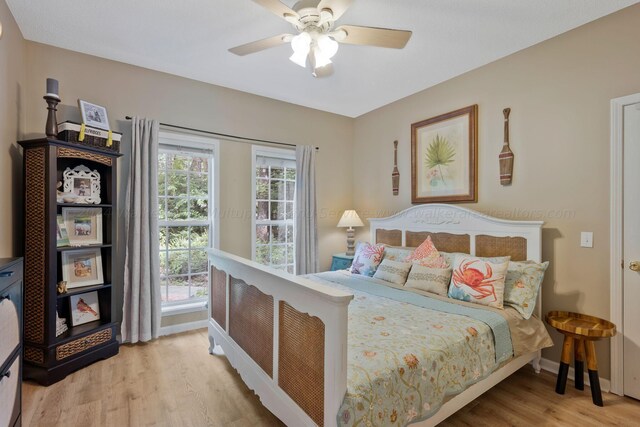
x=444, y=158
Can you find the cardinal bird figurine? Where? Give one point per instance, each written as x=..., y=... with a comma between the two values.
x=83, y=307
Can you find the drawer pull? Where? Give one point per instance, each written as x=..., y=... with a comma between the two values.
x=6, y=274
x=7, y=374
x=5, y=297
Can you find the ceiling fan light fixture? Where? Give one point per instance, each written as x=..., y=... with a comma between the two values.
x=327, y=45
x=320, y=58
x=299, y=58
x=301, y=43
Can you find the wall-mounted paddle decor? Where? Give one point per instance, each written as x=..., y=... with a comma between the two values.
x=395, y=175
x=506, y=155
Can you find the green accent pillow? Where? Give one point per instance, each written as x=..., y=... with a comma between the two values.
x=523, y=284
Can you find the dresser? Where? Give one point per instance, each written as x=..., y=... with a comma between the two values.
x=341, y=261
x=10, y=340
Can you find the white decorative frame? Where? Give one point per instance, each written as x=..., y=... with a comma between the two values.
x=330, y=305
x=67, y=267
x=82, y=172
x=86, y=107
x=69, y=214
x=73, y=300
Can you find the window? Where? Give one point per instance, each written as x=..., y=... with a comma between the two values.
x=185, y=217
x=274, y=184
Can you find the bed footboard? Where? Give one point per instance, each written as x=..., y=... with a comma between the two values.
x=285, y=335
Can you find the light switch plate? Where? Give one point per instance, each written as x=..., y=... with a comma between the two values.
x=586, y=239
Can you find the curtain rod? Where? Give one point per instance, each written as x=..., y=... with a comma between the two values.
x=224, y=135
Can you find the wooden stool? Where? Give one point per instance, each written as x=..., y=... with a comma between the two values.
x=580, y=332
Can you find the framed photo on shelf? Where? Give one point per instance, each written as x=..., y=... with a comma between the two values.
x=82, y=268
x=94, y=115
x=83, y=225
x=84, y=308
x=62, y=238
x=444, y=158
x=82, y=185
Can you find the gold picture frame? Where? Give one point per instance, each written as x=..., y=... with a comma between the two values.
x=444, y=158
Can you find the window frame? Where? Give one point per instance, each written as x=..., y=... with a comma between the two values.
x=281, y=153
x=170, y=141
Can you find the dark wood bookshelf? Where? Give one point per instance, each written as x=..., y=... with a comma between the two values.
x=49, y=358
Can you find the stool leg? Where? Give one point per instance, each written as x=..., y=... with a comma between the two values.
x=565, y=360
x=579, y=354
x=592, y=366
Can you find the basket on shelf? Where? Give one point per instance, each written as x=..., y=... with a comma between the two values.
x=93, y=137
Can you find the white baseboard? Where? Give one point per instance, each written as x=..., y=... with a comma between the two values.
x=551, y=366
x=183, y=327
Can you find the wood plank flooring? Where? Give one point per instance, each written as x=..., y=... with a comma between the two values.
x=174, y=381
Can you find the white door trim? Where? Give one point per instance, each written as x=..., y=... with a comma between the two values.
x=616, y=240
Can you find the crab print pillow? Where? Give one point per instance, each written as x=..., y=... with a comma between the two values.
x=427, y=255
x=479, y=281
x=367, y=259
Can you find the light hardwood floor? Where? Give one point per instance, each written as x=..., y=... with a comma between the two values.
x=174, y=381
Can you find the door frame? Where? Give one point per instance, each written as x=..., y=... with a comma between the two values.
x=616, y=260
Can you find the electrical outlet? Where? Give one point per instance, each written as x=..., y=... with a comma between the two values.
x=586, y=239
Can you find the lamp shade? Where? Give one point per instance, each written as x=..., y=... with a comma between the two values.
x=350, y=219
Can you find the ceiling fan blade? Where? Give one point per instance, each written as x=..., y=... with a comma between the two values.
x=259, y=45
x=338, y=7
x=277, y=7
x=371, y=36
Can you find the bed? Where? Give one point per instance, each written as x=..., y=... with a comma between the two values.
x=289, y=336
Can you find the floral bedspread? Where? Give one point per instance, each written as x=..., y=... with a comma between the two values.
x=403, y=359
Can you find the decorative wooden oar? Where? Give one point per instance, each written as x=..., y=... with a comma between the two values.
x=506, y=155
x=395, y=175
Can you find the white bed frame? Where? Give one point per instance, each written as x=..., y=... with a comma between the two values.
x=330, y=306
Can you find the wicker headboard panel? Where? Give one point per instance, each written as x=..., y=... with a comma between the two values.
x=389, y=237
x=515, y=247
x=445, y=242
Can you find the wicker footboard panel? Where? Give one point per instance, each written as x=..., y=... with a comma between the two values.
x=301, y=360
x=219, y=297
x=251, y=322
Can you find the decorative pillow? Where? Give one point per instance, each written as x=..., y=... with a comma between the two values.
x=397, y=253
x=479, y=281
x=427, y=255
x=367, y=258
x=522, y=285
x=450, y=257
x=434, y=280
x=393, y=271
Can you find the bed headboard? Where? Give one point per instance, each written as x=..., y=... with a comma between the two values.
x=457, y=229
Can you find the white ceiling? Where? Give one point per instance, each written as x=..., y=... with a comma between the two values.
x=190, y=38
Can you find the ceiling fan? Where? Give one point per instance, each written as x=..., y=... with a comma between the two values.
x=317, y=39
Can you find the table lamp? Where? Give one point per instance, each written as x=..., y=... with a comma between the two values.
x=350, y=219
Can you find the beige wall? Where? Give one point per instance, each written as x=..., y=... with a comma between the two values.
x=12, y=120
x=559, y=93
x=129, y=90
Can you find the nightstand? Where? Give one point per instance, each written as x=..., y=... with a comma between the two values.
x=341, y=261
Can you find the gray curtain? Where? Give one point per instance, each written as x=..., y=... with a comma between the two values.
x=141, y=310
x=306, y=231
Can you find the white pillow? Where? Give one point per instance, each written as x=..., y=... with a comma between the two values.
x=434, y=280
x=477, y=280
x=393, y=271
